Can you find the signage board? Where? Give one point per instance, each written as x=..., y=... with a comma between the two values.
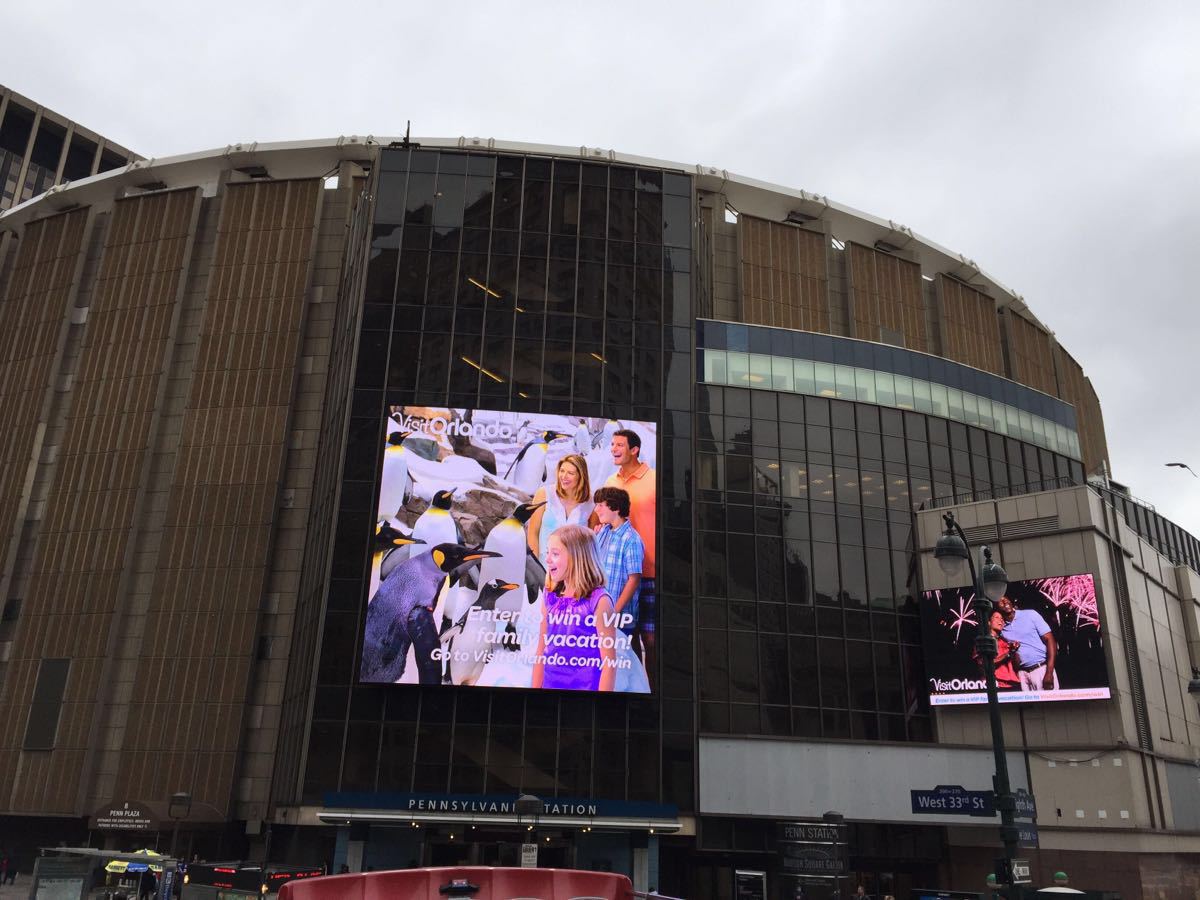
x=813, y=859
x=749, y=885
x=499, y=805
x=493, y=615
x=529, y=853
x=810, y=832
x=128, y=815
x=60, y=888
x=1027, y=835
x=1031, y=614
x=952, y=799
x=61, y=877
x=812, y=848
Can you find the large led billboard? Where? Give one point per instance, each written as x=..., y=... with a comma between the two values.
x=495, y=565
x=1048, y=642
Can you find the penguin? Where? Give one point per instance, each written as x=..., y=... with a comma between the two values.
x=462, y=446
x=517, y=564
x=583, y=438
x=436, y=525
x=507, y=538
x=392, y=559
x=528, y=470
x=384, y=555
x=414, y=585
x=604, y=437
x=469, y=644
x=461, y=592
x=394, y=485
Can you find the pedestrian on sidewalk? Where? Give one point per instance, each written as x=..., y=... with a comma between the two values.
x=147, y=885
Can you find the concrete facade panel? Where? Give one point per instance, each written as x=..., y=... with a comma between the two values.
x=795, y=779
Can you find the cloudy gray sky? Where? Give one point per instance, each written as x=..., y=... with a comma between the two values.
x=1057, y=144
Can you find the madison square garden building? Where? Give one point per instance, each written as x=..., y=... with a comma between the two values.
x=234, y=380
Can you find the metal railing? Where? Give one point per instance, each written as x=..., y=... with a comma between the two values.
x=1000, y=493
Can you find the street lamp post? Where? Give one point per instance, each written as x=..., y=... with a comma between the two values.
x=528, y=805
x=990, y=582
x=178, y=808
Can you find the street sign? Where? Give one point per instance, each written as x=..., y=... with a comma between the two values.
x=1021, y=872
x=954, y=800
x=1026, y=804
x=529, y=856
x=1028, y=835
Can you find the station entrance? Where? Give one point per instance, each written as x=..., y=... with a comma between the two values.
x=480, y=846
x=412, y=844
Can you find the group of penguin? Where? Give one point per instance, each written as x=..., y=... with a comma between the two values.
x=526, y=473
x=431, y=566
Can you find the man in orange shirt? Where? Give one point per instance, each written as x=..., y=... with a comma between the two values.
x=638, y=480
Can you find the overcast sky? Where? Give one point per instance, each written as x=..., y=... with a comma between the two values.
x=1057, y=144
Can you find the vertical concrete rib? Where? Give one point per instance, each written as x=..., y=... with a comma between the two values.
x=188, y=699
x=34, y=324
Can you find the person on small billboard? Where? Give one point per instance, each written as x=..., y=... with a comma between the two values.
x=1007, y=661
x=1039, y=652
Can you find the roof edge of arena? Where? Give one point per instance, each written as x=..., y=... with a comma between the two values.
x=297, y=159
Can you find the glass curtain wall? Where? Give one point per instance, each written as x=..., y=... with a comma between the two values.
x=524, y=283
x=806, y=591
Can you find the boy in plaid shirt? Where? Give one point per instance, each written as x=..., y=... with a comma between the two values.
x=621, y=552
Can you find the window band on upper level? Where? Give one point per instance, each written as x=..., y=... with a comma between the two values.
x=826, y=365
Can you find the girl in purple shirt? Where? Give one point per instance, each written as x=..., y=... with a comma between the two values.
x=577, y=645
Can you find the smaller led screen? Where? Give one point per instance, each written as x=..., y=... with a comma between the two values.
x=497, y=564
x=1048, y=643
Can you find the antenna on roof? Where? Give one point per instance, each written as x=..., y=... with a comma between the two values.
x=407, y=142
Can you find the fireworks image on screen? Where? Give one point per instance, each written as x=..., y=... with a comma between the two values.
x=963, y=614
x=1073, y=596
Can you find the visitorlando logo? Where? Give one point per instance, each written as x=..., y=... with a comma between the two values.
x=941, y=685
x=439, y=427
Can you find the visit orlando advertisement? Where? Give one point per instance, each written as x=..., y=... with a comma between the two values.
x=1049, y=645
x=512, y=550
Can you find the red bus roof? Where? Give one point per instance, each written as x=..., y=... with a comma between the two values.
x=473, y=882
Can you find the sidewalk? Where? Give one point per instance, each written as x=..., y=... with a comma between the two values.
x=20, y=889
